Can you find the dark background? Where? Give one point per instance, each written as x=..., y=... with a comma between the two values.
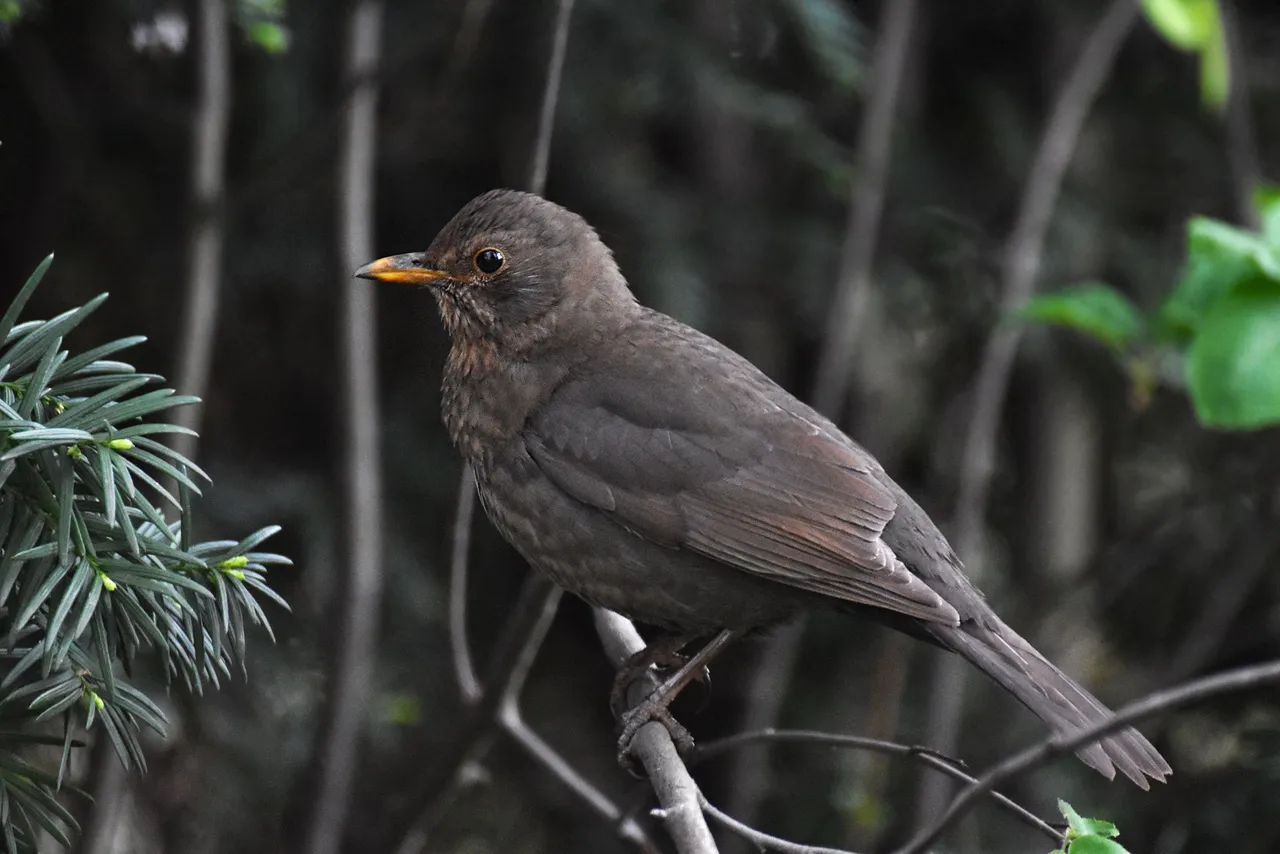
x=711, y=144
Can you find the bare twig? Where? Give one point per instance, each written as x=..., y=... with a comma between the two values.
x=762, y=840
x=923, y=755
x=209, y=129
x=872, y=166
x=474, y=15
x=558, y=767
x=464, y=668
x=1222, y=605
x=1231, y=681
x=466, y=484
x=750, y=778
x=358, y=604
x=1242, y=147
x=550, y=96
x=653, y=748
x=1021, y=265
x=521, y=637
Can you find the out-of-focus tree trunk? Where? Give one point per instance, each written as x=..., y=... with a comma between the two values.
x=358, y=603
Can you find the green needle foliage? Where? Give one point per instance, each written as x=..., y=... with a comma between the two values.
x=91, y=572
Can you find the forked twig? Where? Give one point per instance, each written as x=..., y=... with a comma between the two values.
x=1231, y=681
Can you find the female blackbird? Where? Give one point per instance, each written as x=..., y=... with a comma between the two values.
x=652, y=471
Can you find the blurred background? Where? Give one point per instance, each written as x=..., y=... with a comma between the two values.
x=713, y=145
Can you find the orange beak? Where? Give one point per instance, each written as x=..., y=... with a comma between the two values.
x=400, y=268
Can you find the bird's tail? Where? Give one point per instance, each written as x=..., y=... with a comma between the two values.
x=1054, y=697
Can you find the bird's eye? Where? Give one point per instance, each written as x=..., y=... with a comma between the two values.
x=489, y=261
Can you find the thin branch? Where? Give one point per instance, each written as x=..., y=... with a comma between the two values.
x=466, y=485
x=464, y=668
x=653, y=748
x=1022, y=258
x=923, y=755
x=1229, y=682
x=1222, y=606
x=550, y=96
x=558, y=767
x=521, y=637
x=762, y=840
x=359, y=603
x=209, y=130
x=1242, y=147
x=872, y=167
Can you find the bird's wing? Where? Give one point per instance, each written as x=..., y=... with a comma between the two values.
x=687, y=458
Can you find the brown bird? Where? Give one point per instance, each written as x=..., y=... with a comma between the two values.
x=651, y=470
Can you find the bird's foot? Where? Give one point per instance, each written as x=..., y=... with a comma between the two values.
x=664, y=654
x=653, y=709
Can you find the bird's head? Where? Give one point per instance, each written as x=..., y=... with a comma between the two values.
x=514, y=268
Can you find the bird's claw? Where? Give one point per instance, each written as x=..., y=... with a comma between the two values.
x=651, y=710
x=638, y=666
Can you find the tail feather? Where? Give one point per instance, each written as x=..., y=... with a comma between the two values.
x=1054, y=697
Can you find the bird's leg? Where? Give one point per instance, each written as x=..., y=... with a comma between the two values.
x=663, y=653
x=655, y=706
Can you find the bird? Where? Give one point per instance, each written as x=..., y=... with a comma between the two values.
x=651, y=470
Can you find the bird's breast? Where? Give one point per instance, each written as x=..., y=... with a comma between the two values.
x=487, y=397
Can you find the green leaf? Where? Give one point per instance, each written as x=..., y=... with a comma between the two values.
x=1186, y=24
x=1220, y=257
x=1095, y=845
x=1266, y=199
x=10, y=11
x=1081, y=825
x=269, y=36
x=1233, y=366
x=1195, y=26
x=1094, y=309
x=1215, y=72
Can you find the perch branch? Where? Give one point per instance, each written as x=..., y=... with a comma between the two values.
x=677, y=793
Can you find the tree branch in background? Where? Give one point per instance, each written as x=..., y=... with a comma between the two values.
x=466, y=485
x=871, y=172
x=404, y=830
x=464, y=669
x=835, y=362
x=559, y=768
x=210, y=126
x=1228, y=682
x=1242, y=147
x=358, y=604
x=761, y=840
x=923, y=755
x=1021, y=265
